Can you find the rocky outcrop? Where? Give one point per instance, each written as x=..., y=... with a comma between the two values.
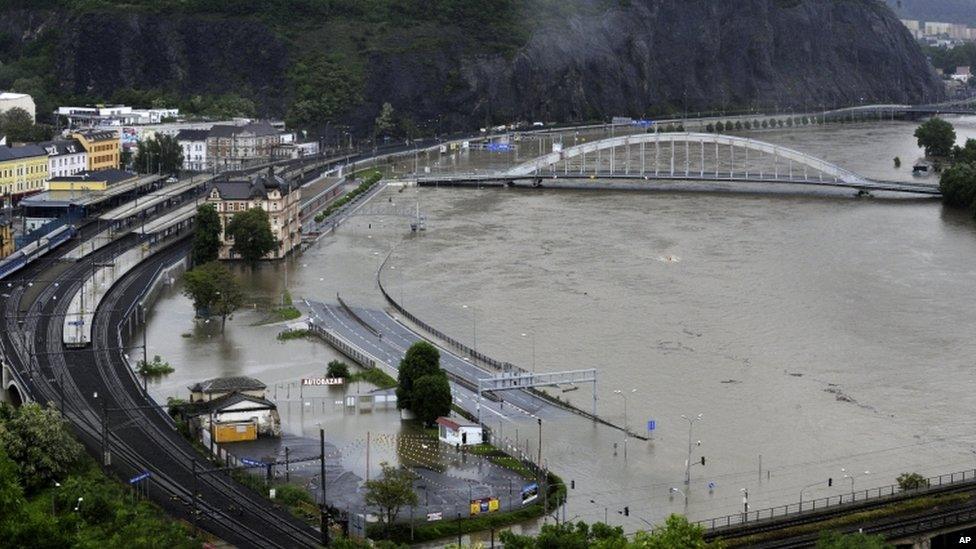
x=644, y=57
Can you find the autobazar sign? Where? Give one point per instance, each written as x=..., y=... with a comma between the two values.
x=319, y=381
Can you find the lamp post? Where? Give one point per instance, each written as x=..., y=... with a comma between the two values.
x=850, y=476
x=691, y=423
x=626, y=426
x=474, y=327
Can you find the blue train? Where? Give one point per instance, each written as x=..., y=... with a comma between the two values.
x=22, y=257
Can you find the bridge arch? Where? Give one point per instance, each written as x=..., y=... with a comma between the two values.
x=10, y=392
x=796, y=166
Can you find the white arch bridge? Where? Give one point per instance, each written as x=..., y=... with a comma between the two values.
x=691, y=157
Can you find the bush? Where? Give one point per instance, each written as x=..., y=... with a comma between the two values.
x=710, y=128
x=337, y=369
x=912, y=481
x=155, y=368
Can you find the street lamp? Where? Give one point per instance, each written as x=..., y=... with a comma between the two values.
x=474, y=327
x=691, y=423
x=850, y=476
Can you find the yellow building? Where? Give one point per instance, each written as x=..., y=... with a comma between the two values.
x=104, y=148
x=23, y=171
x=91, y=181
x=6, y=237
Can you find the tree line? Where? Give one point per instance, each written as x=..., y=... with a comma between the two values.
x=958, y=182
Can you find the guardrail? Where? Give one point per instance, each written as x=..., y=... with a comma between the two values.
x=360, y=357
x=879, y=494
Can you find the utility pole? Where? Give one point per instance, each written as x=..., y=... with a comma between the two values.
x=539, y=419
x=323, y=515
x=145, y=326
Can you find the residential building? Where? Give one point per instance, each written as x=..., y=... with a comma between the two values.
x=280, y=199
x=104, y=148
x=231, y=409
x=64, y=157
x=934, y=28
x=23, y=171
x=10, y=100
x=238, y=147
x=99, y=180
x=194, y=145
x=217, y=387
x=297, y=149
x=6, y=235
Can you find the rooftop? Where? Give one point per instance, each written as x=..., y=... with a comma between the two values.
x=97, y=135
x=227, y=385
x=62, y=147
x=207, y=406
x=258, y=187
x=12, y=95
x=192, y=135
x=109, y=176
x=15, y=153
x=260, y=128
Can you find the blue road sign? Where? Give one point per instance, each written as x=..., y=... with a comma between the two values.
x=139, y=478
x=498, y=147
x=253, y=463
x=651, y=425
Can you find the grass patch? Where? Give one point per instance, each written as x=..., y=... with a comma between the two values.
x=375, y=376
x=287, y=312
x=156, y=368
x=288, y=335
x=369, y=179
x=916, y=504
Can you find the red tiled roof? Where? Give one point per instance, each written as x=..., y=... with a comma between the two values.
x=449, y=423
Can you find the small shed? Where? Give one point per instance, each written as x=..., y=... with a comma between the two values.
x=233, y=417
x=454, y=433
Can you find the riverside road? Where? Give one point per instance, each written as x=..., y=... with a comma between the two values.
x=389, y=340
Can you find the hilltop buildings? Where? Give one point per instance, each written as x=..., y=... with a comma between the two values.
x=10, y=100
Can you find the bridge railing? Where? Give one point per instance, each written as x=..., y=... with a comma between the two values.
x=880, y=493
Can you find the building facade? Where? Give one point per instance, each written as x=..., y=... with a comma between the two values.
x=238, y=147
x=65, y=157
x=91, y=181
x=23, y=171
x=103, y=147
x=10, y=100
x=194, y=145
x=277, y=197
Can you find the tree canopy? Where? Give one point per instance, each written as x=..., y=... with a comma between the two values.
x=214, y=290
x=431, y=397
x=18, y=126
x=251, y=232
x=937, y=137
x=206, y=235
x=837, y=540
x=421, y=359
x=390, y=492
x=161, y=154
x=39, y=441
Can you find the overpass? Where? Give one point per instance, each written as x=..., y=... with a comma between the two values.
x=684, y=156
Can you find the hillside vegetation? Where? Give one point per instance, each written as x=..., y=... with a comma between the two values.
x=449, y=65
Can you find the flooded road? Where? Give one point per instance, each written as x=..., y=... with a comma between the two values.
x=818, y=332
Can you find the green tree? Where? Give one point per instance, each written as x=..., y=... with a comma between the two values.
x=337, y=369
x=38, y=440
x=18, y=126
x=958, y=186
x=912, y=481
x=937, y=137
x=677, y=532
x=206, y=235
x=252, y=236
x=214, y=291
x=966, y=153
x=385, y=121
x=421, y=359
x=837, y=540
x=569, y=536
x=719, y=127
x=325, y=87
x=161, y=154
x=390, y=492
x=431, y=397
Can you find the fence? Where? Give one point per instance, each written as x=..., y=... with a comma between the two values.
x=343, y=346
x=880, y=494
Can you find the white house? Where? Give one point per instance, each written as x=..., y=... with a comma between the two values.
x=237, y=416
x=194, y=145
x=64, y=157
x=454, y=433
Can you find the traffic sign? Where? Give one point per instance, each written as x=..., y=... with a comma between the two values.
x=139, y=478
x=431, y=517
x=252, y=463
x=651, y=425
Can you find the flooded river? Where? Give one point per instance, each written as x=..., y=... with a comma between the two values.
x=819, y=332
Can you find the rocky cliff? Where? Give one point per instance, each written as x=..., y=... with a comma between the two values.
x=599, y=59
